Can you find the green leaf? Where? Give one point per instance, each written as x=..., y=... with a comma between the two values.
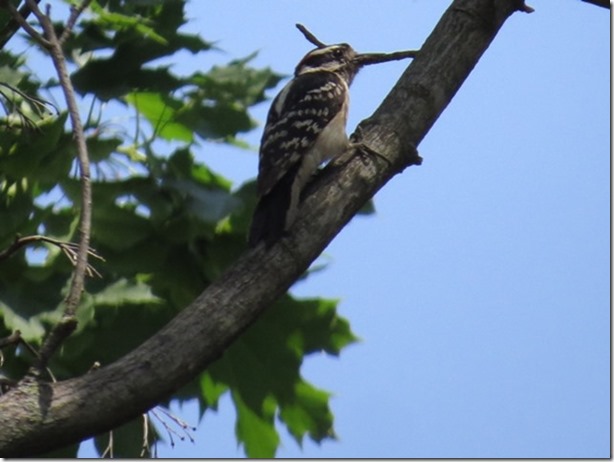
x=236, y=83
x=211, y=391
x=118, y=227
x=262, y=370
x=114, y=330
x=16, y=206
x=38, y=156
x=255, y=429
x=207, y=204
x=124, y=292
x=136, y=33
x=13, y=72
x=31, y=328
x=122, y=77
x=118, y=21
x=308, y=413
x=100, y=149
x=218, y=121
x=182, y=165
x=161, y=112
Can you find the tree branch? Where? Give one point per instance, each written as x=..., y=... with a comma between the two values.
x=69, y=411
x=310, y=37
x=601, y=3
x=12, y=339
x=366, y=58
x=52, y=43
x=75, y=12
x=70, y=250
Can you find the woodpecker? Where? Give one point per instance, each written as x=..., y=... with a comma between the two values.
x=305, y=127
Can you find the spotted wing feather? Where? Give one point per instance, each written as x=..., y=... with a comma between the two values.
x=297, y=116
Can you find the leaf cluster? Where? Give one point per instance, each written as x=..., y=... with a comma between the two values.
x=165, y=224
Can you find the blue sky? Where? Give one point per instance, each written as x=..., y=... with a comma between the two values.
x=480, y=289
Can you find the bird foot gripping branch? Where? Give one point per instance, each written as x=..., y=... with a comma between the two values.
x=306, y=127
x=356, y=142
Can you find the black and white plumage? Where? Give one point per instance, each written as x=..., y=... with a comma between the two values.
x=305, y=127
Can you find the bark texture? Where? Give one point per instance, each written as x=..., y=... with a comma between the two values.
x=37, y=416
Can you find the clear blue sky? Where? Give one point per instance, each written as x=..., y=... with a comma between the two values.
x=480, y=288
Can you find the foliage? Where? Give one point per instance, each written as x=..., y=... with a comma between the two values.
x=165, y=224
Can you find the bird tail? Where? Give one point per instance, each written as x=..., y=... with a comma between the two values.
x=269, y=219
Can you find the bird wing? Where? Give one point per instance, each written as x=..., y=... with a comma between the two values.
x=297, y=116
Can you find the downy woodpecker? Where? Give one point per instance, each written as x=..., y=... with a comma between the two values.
x=305, y=127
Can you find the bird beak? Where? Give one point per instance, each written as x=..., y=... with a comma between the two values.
x=364, y=59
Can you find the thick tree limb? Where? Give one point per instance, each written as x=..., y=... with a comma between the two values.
x=601, y=3
x=36, y=416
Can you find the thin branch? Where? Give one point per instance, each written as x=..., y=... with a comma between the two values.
x=10, y=105
x=17, y=244
x=310, y=37
x=145, y=442
x=38, y=105
x=12, y=339
x=186, y=429
x=16, y=339
x=362, y=58
x=70, y=249
x=109, y=450
x=36, y=354
x=75, y=12
x=68, y=323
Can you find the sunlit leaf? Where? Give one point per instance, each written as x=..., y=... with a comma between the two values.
x=255, y=428
x=161, y=112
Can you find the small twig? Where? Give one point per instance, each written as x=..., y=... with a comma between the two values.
x=362, y=58
x=12, y=339
x=37, y=355
x=75, y=12
x=145, y=443
x=16, y=339
x=310, y=37
x=109, y=449
x=69, y=248
x=18, y=243
x=376, y=58
x=11, y=106
x=524, y=7
x=185, y=427
x=38, y=104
